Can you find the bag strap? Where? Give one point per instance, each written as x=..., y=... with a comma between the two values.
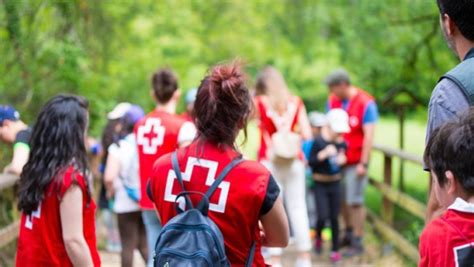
x=251, y=256
x=219, y=179
x=177, y=171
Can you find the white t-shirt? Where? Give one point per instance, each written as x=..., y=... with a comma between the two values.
x=127, y=154
x=187, y=132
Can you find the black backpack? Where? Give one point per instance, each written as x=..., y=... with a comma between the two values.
x=191, y=238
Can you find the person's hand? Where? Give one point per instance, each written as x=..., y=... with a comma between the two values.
x=7, y=169
x=330, y=151
x=110, y=193
x=262, y=233
x=341, y=159
x=361, y=170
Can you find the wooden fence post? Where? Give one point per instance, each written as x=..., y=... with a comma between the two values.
x=387, y=207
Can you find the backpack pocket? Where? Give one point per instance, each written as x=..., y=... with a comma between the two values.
x=171, y=258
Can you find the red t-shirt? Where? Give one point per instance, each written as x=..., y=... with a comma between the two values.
x=157, y=134
x=40, y=242
x=235, y=207
x=268, y=118
x=449, y=240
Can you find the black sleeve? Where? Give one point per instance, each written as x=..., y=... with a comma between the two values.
x=273, y=191
x=23, y=136
x=314, y=162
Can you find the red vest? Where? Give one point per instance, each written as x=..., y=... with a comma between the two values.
x=356, y=109
x=235, y=206
x=40, y=242
x=156, y=134
x=267, y=126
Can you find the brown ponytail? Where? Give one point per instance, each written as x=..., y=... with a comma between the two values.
x=223, y=105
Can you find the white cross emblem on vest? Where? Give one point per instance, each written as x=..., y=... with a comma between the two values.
x=151, y=135
x=211, y=177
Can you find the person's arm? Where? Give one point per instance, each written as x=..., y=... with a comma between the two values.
x=21, y=153
x=305, y=126
x=276, y=232
x=446, y=103
x=72, y=229
x=369, y=130
x=186, y=134
x=112, y=171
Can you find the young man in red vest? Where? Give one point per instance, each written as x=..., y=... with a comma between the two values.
x=363, y=116
x=158, y=133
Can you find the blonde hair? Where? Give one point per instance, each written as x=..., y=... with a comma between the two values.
x=271, y=83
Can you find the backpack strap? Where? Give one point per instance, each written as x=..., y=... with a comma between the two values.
x=462, y=75
x=177, y=171
x=220, y=178
x=251, y=256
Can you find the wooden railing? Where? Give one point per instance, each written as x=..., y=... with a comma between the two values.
x=382, y=224
x=9, y=232
x=392, y=196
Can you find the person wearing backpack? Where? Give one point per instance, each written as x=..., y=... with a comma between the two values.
x=454, y=92
x=448, y=240
x=283, y=126
x=123, y=184
x=242, y=210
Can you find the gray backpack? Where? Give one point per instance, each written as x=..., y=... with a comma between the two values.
x=191, y=238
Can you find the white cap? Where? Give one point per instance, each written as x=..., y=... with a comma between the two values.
x=317, y=119
x=338, y=120
x=119, y=111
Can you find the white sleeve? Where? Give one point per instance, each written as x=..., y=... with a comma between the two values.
x=187, y=133
x=114, y=150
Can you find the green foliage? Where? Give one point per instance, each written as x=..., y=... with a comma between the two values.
x=107, y=50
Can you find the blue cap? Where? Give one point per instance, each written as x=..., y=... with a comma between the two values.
x=191, y=96
x=8, y=113
x=135, y=113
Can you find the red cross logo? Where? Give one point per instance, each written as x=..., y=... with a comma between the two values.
x=211, y=177
x=151, y=135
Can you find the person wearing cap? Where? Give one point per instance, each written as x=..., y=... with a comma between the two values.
x=189, y=99
x=122, y=182
x=326, y=160
x=15, y=132
x=363, y=115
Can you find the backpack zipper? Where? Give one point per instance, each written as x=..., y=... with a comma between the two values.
x=197, y=227
x=199, y=254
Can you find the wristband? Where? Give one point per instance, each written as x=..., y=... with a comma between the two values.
x=366, y=165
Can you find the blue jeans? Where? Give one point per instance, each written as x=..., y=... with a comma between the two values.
x=153, y=228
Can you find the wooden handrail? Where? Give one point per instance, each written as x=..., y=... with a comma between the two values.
x=392, y=152
x=403, y=200
x=394, y=237
x=9, y=233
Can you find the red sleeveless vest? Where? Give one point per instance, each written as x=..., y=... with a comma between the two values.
x=356, y=110
x=157, y=135
x=234, y=207
x=40, y=242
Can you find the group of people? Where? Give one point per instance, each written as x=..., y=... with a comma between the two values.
x=157, y=165
x=135, y=165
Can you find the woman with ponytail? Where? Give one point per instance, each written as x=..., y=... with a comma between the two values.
x=284, y=125
x=58, y=222
x=247, y=208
